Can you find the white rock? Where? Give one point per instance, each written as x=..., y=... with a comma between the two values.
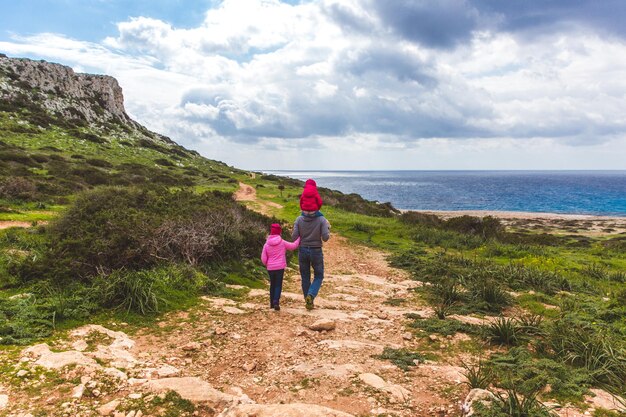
x=78, y=391
x=135, y=396
x=373, y=380
x=116, y=373
x=108, y=408
x=282, y=410
x=191, y=388
x=4, y=401
x=191, y=346
x=475, y=395
x=136, y=381
x=167, y=371
x=323, y=324
x=21, y=373
x=603, y=399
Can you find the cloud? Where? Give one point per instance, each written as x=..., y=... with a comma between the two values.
x=378, y=75
x=440, y=24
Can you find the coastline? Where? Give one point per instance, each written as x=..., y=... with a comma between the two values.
x=579, y=224
x=519, y=215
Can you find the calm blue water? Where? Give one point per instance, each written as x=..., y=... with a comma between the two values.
x=576, y=192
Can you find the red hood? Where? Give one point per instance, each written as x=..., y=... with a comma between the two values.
x=274, y=240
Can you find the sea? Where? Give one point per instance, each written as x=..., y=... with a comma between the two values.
x=564, y=192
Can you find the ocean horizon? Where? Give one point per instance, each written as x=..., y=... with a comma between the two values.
x=584, y=192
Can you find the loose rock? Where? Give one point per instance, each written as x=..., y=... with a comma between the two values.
x=323, y=324
x=108, y=408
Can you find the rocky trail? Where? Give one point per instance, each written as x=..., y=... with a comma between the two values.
x=237, y=357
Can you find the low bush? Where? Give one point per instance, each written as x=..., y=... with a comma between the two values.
x=402, y=358
x=18, y=188
x=423, y=219
x=504, y=331
x=486, y=227
x=125, y=228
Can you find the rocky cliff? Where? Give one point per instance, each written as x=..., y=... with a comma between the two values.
x=53, y=94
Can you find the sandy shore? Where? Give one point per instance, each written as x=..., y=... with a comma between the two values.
x=521, y=215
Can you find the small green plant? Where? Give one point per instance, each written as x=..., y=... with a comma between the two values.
x=402, y=358
x=478, y=376
x=130, y=291
x=504, y=331
x=517, y=404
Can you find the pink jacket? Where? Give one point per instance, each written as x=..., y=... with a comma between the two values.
x=273, y=256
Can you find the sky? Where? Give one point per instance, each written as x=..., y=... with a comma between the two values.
x=354, y=84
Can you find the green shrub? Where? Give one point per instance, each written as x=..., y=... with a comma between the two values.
x=100, y=163
x=23, y=320
x=402, y=358
x=486, y=227
x=488, y=295
x=130, y=291
x=18, y=188
x=125, y=228
x=504, y=331
x=423, y=219
x=477, y=375
x=445, y=327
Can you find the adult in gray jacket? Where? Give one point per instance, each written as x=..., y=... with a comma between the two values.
x=312, y=231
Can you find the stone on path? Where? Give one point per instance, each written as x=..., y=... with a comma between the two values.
x=78, y=391
x=4, y=401
x=191, y=388
x=282, y=410
x=108, y=408
x=191, y=346
x=372, y=380
x=398, y=393
x=167, y=371
x=323, y=324
x=233, y=310
x=58, y=360
x=603, y=399
x=474, y=396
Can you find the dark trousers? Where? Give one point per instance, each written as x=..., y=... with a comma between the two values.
x=276, y=285
x=307, y=258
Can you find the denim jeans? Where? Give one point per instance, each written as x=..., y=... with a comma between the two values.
x=276, y=285
x=311, y=257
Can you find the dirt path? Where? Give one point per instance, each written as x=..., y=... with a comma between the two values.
x=247, y=194
x=6, y=224
x=274, y=357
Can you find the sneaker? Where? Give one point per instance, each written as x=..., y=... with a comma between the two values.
x=277, y=307
x=309, y=302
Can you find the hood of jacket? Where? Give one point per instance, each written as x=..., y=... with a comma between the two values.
x=274, y=240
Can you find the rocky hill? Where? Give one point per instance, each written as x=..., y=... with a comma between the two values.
x=97, y=99
x=62, y=132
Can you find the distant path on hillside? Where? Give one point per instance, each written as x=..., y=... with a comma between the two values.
x=247, y=194
x=6, y=224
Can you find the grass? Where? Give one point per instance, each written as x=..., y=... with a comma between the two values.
x=402, y=358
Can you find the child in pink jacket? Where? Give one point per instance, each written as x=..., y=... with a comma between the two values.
x=273, y=257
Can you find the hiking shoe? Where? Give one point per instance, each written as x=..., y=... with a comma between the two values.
x=309, y=302
x=277, y=307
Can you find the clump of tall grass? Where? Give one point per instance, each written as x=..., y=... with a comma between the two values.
x=477, y=375
x=504, y=331
x=595, y=350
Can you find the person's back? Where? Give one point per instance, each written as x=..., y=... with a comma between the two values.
x=312, y=231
